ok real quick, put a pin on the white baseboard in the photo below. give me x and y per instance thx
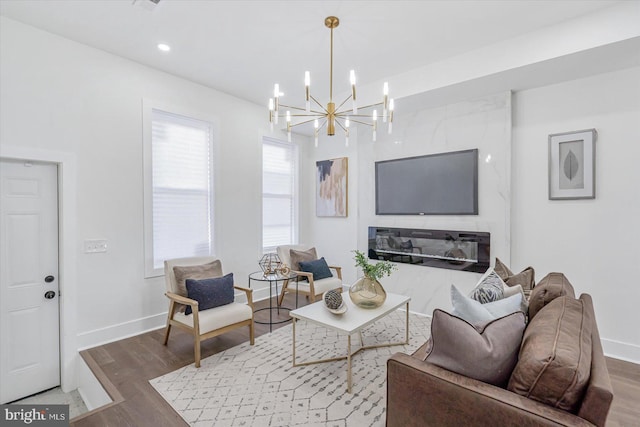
(621, 350)
(120, 331)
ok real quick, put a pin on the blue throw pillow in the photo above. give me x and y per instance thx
(318, 267)
(210, 293)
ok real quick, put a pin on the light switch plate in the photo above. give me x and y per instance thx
(95, 246)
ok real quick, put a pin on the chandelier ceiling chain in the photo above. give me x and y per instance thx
(330, 114)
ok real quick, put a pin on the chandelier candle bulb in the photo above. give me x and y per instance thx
(276, 95)
(307, 83)
(375, 123)
(316, 125)
(352, 79)
(385, 100)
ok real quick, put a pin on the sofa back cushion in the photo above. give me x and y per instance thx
(552, 286)
(554, 363)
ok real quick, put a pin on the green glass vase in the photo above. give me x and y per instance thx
(367, 293)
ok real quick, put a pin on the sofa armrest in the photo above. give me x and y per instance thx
(422, 394)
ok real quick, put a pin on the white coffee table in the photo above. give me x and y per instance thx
(354, 320)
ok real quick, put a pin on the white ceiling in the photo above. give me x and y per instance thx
(244, 47)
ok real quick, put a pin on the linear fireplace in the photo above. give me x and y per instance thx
(454, 250)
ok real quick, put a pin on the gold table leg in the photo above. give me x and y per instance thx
(349, 355)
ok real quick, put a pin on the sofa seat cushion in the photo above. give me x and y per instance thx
(552, 286)
(319, 286)
(487, 353)
(218, 317)
(555, 357)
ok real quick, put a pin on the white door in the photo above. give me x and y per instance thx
(29, 340)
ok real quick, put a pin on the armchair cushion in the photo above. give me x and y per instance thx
(297, 256)
(487, 353)
(210, 293)
(318, 267)
(203, 271)
(210, 320)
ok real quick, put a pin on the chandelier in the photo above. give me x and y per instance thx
(330, 116)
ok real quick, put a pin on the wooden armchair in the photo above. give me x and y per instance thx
(206, 323)
(311, 288)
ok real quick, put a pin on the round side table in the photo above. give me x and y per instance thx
(273, 279)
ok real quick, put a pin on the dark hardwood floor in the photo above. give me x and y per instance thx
(125, 368)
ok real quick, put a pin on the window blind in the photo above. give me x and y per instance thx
(182, 187)
(279, 194)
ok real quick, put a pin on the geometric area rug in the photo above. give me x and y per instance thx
(258, 386)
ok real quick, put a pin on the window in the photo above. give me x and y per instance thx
(178, 189)
(279, 194)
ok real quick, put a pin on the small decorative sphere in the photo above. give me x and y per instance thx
(333, 299)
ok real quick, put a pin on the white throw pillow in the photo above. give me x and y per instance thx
(474, 312)
(513, 290)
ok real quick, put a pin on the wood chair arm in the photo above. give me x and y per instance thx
(249, 293)
(309, 276)
(338, 270)
(182, 300)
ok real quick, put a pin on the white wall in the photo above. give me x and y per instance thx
(594, 242)
(63, 96)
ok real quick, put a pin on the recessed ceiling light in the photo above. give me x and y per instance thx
(164, 47)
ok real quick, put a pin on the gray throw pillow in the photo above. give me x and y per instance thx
(203, 271)
(297, 256)
(474, 312)
(487, 353)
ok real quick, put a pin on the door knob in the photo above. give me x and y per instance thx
(49, 279)
(49, 294)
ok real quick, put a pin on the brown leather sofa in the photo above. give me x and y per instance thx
(422, 394)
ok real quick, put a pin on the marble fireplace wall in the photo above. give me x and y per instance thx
(483, 123)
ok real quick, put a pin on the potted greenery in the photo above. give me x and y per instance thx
(367, 292)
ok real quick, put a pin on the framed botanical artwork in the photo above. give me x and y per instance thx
(572, 165)
(332, 187)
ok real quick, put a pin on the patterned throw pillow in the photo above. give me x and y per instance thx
(490, 288)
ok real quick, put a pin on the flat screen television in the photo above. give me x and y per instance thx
(435, 184)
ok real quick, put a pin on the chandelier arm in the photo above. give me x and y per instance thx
(301, 123)
(300, 109)
(362, 123)
(319, 105)
(343, 102)
(340, 124)
(371, 105)
(346, 114)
